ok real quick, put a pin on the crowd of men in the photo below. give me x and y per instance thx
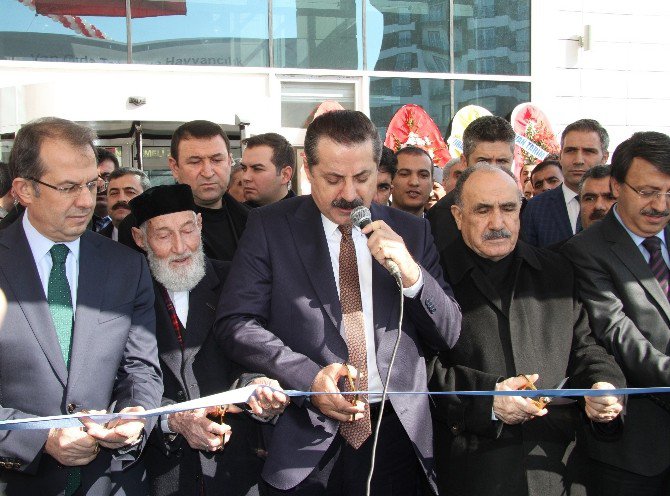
(124, 297)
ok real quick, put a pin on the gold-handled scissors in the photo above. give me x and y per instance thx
(352, 385)
(217, 416)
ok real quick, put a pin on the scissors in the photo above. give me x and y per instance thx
(543, 401)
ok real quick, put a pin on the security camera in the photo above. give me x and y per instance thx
(138, 101)
(239, 121)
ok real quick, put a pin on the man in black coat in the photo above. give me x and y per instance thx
(520, 316)
(186, 453)
(200, 157)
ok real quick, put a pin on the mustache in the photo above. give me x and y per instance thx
(652, 212)
(121, 204)
(497, 234)
(347, 205)
(598, 214)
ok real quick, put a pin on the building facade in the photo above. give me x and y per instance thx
(265, 65)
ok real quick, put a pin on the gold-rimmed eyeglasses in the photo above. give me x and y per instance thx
(649, 194)
(71, 190)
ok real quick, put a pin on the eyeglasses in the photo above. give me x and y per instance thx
(649, 194)
(103, 182)
(73, 190)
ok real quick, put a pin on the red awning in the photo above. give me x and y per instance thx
(111, 8)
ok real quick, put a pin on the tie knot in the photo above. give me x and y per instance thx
(59, 253)
(652, 244)
(345, 229)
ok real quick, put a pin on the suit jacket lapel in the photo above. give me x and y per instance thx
(311, 246)
(629, 254)
(18, 266)
(93, 268)
(561, 212)
(385, 296)
(169, 349)
(202, 303)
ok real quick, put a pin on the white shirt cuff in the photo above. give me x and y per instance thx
(414, 289)
(165, 428)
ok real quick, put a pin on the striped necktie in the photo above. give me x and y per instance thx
(656, 263)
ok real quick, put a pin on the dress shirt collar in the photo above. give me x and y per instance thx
(40, 244)
(637, 239)
(330, 228)
(568, 194)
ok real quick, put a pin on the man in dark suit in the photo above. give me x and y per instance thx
(107, 163)
(69, 344)
(621, 264)
(553, 216)
(186, 452)
(487, 139)
(268, 162)
(123, 184)
(281, 315)
(520, 316)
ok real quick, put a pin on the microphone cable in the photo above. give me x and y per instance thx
(361, 217)
(375, 438)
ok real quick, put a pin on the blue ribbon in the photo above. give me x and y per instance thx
(62, 421)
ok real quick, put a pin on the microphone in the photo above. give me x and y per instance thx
(361, 217)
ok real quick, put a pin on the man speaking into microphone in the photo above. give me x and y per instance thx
(309, 302)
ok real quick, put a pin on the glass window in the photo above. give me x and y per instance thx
(387, 95)
(404, 38)
(314, 34)
(174, 32)
(498, 97)
(212, 32)
(301, 99)
(71, 37)
(426, 20)
(497, 29)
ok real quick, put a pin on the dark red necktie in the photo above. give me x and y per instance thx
(354, 327)
(656, 263)
(174, 318)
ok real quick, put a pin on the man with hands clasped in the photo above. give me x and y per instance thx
(520, 316)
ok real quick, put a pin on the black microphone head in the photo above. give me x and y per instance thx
(360, 216)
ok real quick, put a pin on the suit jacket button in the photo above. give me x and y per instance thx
(455, 429)
(71, 408)
(181, 396)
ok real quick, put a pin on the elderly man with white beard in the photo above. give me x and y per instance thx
(191, 452)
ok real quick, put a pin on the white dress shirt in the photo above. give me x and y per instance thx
(364, 261)
(115, 234)
(40, 246)
(572, 203)
(639, 239)
(180, 302)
